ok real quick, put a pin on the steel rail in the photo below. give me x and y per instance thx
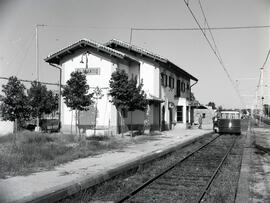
(131, 194)
(215, 173)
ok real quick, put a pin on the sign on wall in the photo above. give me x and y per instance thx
(89, 71)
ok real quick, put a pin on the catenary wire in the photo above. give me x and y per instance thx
(215, 52)
(207, 24)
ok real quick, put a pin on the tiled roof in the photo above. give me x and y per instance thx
(84, 43)
(149, 54)
(136, 49)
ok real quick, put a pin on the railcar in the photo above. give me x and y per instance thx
(228, 122)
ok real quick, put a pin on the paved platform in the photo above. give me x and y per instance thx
(254, 182)
(68, 178)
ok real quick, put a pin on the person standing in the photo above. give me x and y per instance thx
(200, 121)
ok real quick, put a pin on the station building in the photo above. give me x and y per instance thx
(167, 86)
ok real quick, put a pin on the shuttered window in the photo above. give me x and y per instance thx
(171, 82)
(164, 79)
(178, 88)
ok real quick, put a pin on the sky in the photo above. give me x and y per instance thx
(66, 21)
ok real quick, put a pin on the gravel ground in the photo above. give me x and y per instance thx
(185, 182)
(224, 187)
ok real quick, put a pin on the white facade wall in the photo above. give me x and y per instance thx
(150, 74)
(169, 96)
(107, 114)
(102, 81)
(148, 77)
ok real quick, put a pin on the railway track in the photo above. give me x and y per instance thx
(189, 179)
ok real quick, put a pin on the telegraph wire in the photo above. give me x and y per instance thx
(203, 28)
(84, 26)
(160, 29)
(196, 29)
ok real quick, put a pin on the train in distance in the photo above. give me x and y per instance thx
(227, 122)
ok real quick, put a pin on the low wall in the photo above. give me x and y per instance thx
(6, 127)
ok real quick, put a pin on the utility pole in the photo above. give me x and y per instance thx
(37, 55)
(261, 91)
(37, 129)
(130, 36)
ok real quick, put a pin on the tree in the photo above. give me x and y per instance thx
(119, 98)
(97, 95)
(212, 104)
(126, 95)
(137, 98)
(52, 102)
(220, 108)
(41, 100)
(15, 103)
(76, 95)
(266, 108)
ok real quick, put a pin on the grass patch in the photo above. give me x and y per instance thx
(5, 138)
(41, 151)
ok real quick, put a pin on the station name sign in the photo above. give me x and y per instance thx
(89, 71)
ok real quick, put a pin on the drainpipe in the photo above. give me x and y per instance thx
(189, 106)
(60, 85)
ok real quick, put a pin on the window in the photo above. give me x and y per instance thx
(188, 86)
(178, 90)
(179, 113)
(171, 82)
(183, 87)
(164, 79)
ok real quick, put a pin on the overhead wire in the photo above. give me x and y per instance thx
(204, 28)
(211, 34)
(214, 51)
(217, 50)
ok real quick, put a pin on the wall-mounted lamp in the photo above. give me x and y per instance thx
(86, 60)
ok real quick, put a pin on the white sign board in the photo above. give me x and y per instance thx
(89, 71)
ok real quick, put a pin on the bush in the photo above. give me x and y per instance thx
(35, 138)
(5, 138)
(98, 138)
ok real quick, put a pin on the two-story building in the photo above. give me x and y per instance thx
(163, 81)
(167, 86)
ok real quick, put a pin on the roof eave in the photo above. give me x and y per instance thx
(56, 57)
(166, 61)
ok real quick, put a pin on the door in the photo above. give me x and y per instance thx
(171, 118)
